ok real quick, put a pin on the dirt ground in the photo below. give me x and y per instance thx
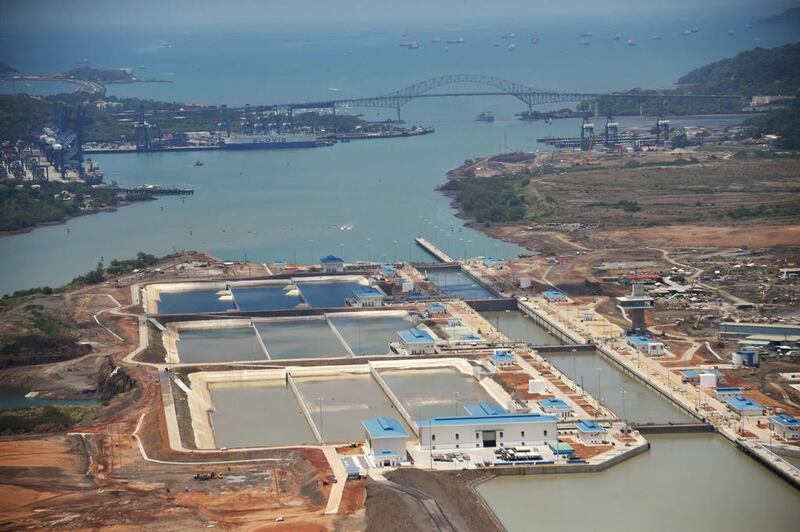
(452, 490)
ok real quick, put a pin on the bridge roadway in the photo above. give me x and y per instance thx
(396, 99)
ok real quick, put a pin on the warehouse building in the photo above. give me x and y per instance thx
(487, 430)
(590, 432)
(785, 426)
(417, 342)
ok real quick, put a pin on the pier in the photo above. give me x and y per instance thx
(155, 190)
(440, 255)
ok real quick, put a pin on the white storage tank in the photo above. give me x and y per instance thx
(708, 380)
(537, 386)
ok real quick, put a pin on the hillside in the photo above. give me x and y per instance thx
(791, 15)
(773, 71)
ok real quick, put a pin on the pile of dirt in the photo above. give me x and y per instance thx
(391, 511)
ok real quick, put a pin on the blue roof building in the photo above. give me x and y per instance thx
(693, 375)
(386, 439)
(417, 341)
(554, 295)
(785, 426)
(744, 406)
(590, 432)
(484, 408)
(505, 419)
(332, 263)
(553, 405)
(436, 308)
(366, 296)
(385, 427)
(493, 262)
(501, 358)
(724, 393)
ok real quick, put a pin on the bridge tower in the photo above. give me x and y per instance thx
(612, 128)
(662, 126)
(635, 306)
(587, 133)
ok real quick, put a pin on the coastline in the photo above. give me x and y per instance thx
(4, 234)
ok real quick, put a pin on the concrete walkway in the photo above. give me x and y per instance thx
(337, 488)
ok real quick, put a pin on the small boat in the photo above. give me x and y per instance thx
(534, 40)
(657, 37)
(731, 32)
(512, 47)
(631, 42)
(460, 40)
(411, 45)
(618, 37)
(686, 32)
(496, 45)
(586, 34)
(198, 163)
(509, 36)
(585, 43)
(346, 228)
(694, 29)
(486, 116)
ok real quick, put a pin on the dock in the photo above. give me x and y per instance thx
(155, 190)
(440, 255)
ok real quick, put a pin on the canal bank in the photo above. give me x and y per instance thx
(700, 475)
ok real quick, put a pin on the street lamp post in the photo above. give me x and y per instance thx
(624, 416)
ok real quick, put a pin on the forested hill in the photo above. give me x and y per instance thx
(791, 15)
(760, 71)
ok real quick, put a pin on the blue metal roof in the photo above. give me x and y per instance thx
(437, 307)
(367, 291)
(494, 419)
(640, 339)
(553, 402)
(484, 408)
(492, 261)
(589, 427)
(554, 294)
(384, 427)
(501, 356)
(331, 259)
(743, 403)
(689, 373)
(415, 335)
(785, 420)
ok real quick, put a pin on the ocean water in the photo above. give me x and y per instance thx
(291, 204)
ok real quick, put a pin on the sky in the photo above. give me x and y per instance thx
(30, 14)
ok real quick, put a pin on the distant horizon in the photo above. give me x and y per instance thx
(33, 16)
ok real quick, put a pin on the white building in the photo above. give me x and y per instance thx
(487, 430)
(590, 432)
(386, 441)
(726, 392)
(366, 296)
(555, 406)
(501, 358)
(417, 342)
(646, 345)
(785, 426)
(332, 263)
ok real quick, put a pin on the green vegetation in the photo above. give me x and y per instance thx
(51, 418)
(115, 268)
(493, 199)
(42, 339)
(102, 75)
(625, 205)
(782, 122)
(765, 211)
(21, 116)
(24, 205)
(762, 71)
(791, 15)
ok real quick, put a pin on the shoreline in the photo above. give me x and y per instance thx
(39, 225)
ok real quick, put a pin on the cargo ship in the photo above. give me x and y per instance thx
(267, 141)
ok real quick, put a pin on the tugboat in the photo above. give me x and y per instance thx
(198, 163)
(485, 116)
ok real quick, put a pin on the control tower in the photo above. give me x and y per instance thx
(635, 305)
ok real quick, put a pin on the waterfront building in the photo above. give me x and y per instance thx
(501, 358)
(386, 441)
(366, 296)
(646, 345)
(435, 309)
(693, 375)
(744, 406)
(487, 430)
(785, 426)
(332, 263)
(727, 392)
(590, 432)
(556, 296)
(417, 342)
(555, 406)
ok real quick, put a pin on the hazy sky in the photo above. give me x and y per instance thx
(28, 14)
